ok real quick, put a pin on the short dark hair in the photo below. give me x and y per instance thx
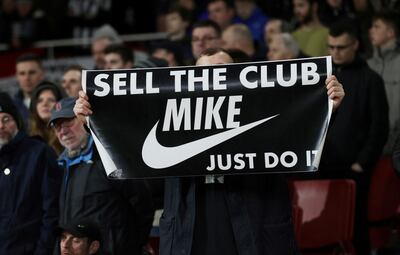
(228, 3)
(344, 26)
(30, 57)
(208, 23)
(213, 51)
(390, 18)
(182, 12)
(122, 50)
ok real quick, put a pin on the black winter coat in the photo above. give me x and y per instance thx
(360, 128)
(30, 181)
(258, 205)
(123, 208)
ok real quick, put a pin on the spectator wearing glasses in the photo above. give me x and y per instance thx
(356, 138)
(123, 208)
(205, 34)
(29, 187)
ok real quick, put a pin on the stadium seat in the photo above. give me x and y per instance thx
(327, 215)
(383, 203)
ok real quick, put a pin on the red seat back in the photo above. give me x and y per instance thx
(328, 211)
(383, 203)
(384, 195)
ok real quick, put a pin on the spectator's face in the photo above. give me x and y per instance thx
(272, 28)
(302, 11)
(244, 9)
(71, 82)
(8, 128)
(277, 50)
(220, 13)
(115, 61)
(45, 103)
(98, 47)
(342, 48)
(71, 245)
(166, 55)
(175, 24)
(70, 133)
(29, 75)
(380, 33)
(216, 59)
(204, 38)
(228, 40)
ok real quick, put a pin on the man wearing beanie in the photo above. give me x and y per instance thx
(29, 187)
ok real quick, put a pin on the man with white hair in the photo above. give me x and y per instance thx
(283, 46)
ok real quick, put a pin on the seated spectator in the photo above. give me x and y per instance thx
(205, 34)
(103, 37)
(311, 35)
(80, 237)
(273, 27)
(169, 51)
(177, 23)
(283, 46)
(252, 16)
(117, 56)
(71, 80)
(221, 12)
(239, 37)
(29, 73)
(44, 97)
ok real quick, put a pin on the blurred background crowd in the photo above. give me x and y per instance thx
(45, 45)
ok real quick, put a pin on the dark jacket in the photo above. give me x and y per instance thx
(29, 189)
(23, 110)
(259, 209)
(360, 129)
(123, 208)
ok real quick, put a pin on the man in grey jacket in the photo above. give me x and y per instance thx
(385, 61)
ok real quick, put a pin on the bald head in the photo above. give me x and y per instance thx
(238, 37)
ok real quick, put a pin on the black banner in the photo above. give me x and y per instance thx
(262, 117)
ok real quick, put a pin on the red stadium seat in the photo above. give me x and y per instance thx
(328, 215)
(383, 203)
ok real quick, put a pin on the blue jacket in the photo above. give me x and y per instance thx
(29, 188)
(259, 209)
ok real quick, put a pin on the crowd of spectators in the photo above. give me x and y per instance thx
(360, 35)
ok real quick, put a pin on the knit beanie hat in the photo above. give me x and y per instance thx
(7, 105)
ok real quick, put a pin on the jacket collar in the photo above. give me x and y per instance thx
(13, 144)
(86, 155)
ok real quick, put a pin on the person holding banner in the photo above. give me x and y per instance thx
(226, 214)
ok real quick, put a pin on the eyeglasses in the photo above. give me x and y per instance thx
(339, 47)
(64, 123)
(6, 119)
(204, 39)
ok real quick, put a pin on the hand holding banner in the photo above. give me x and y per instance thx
(262, 117)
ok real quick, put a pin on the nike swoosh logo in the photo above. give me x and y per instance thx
(158, 156)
